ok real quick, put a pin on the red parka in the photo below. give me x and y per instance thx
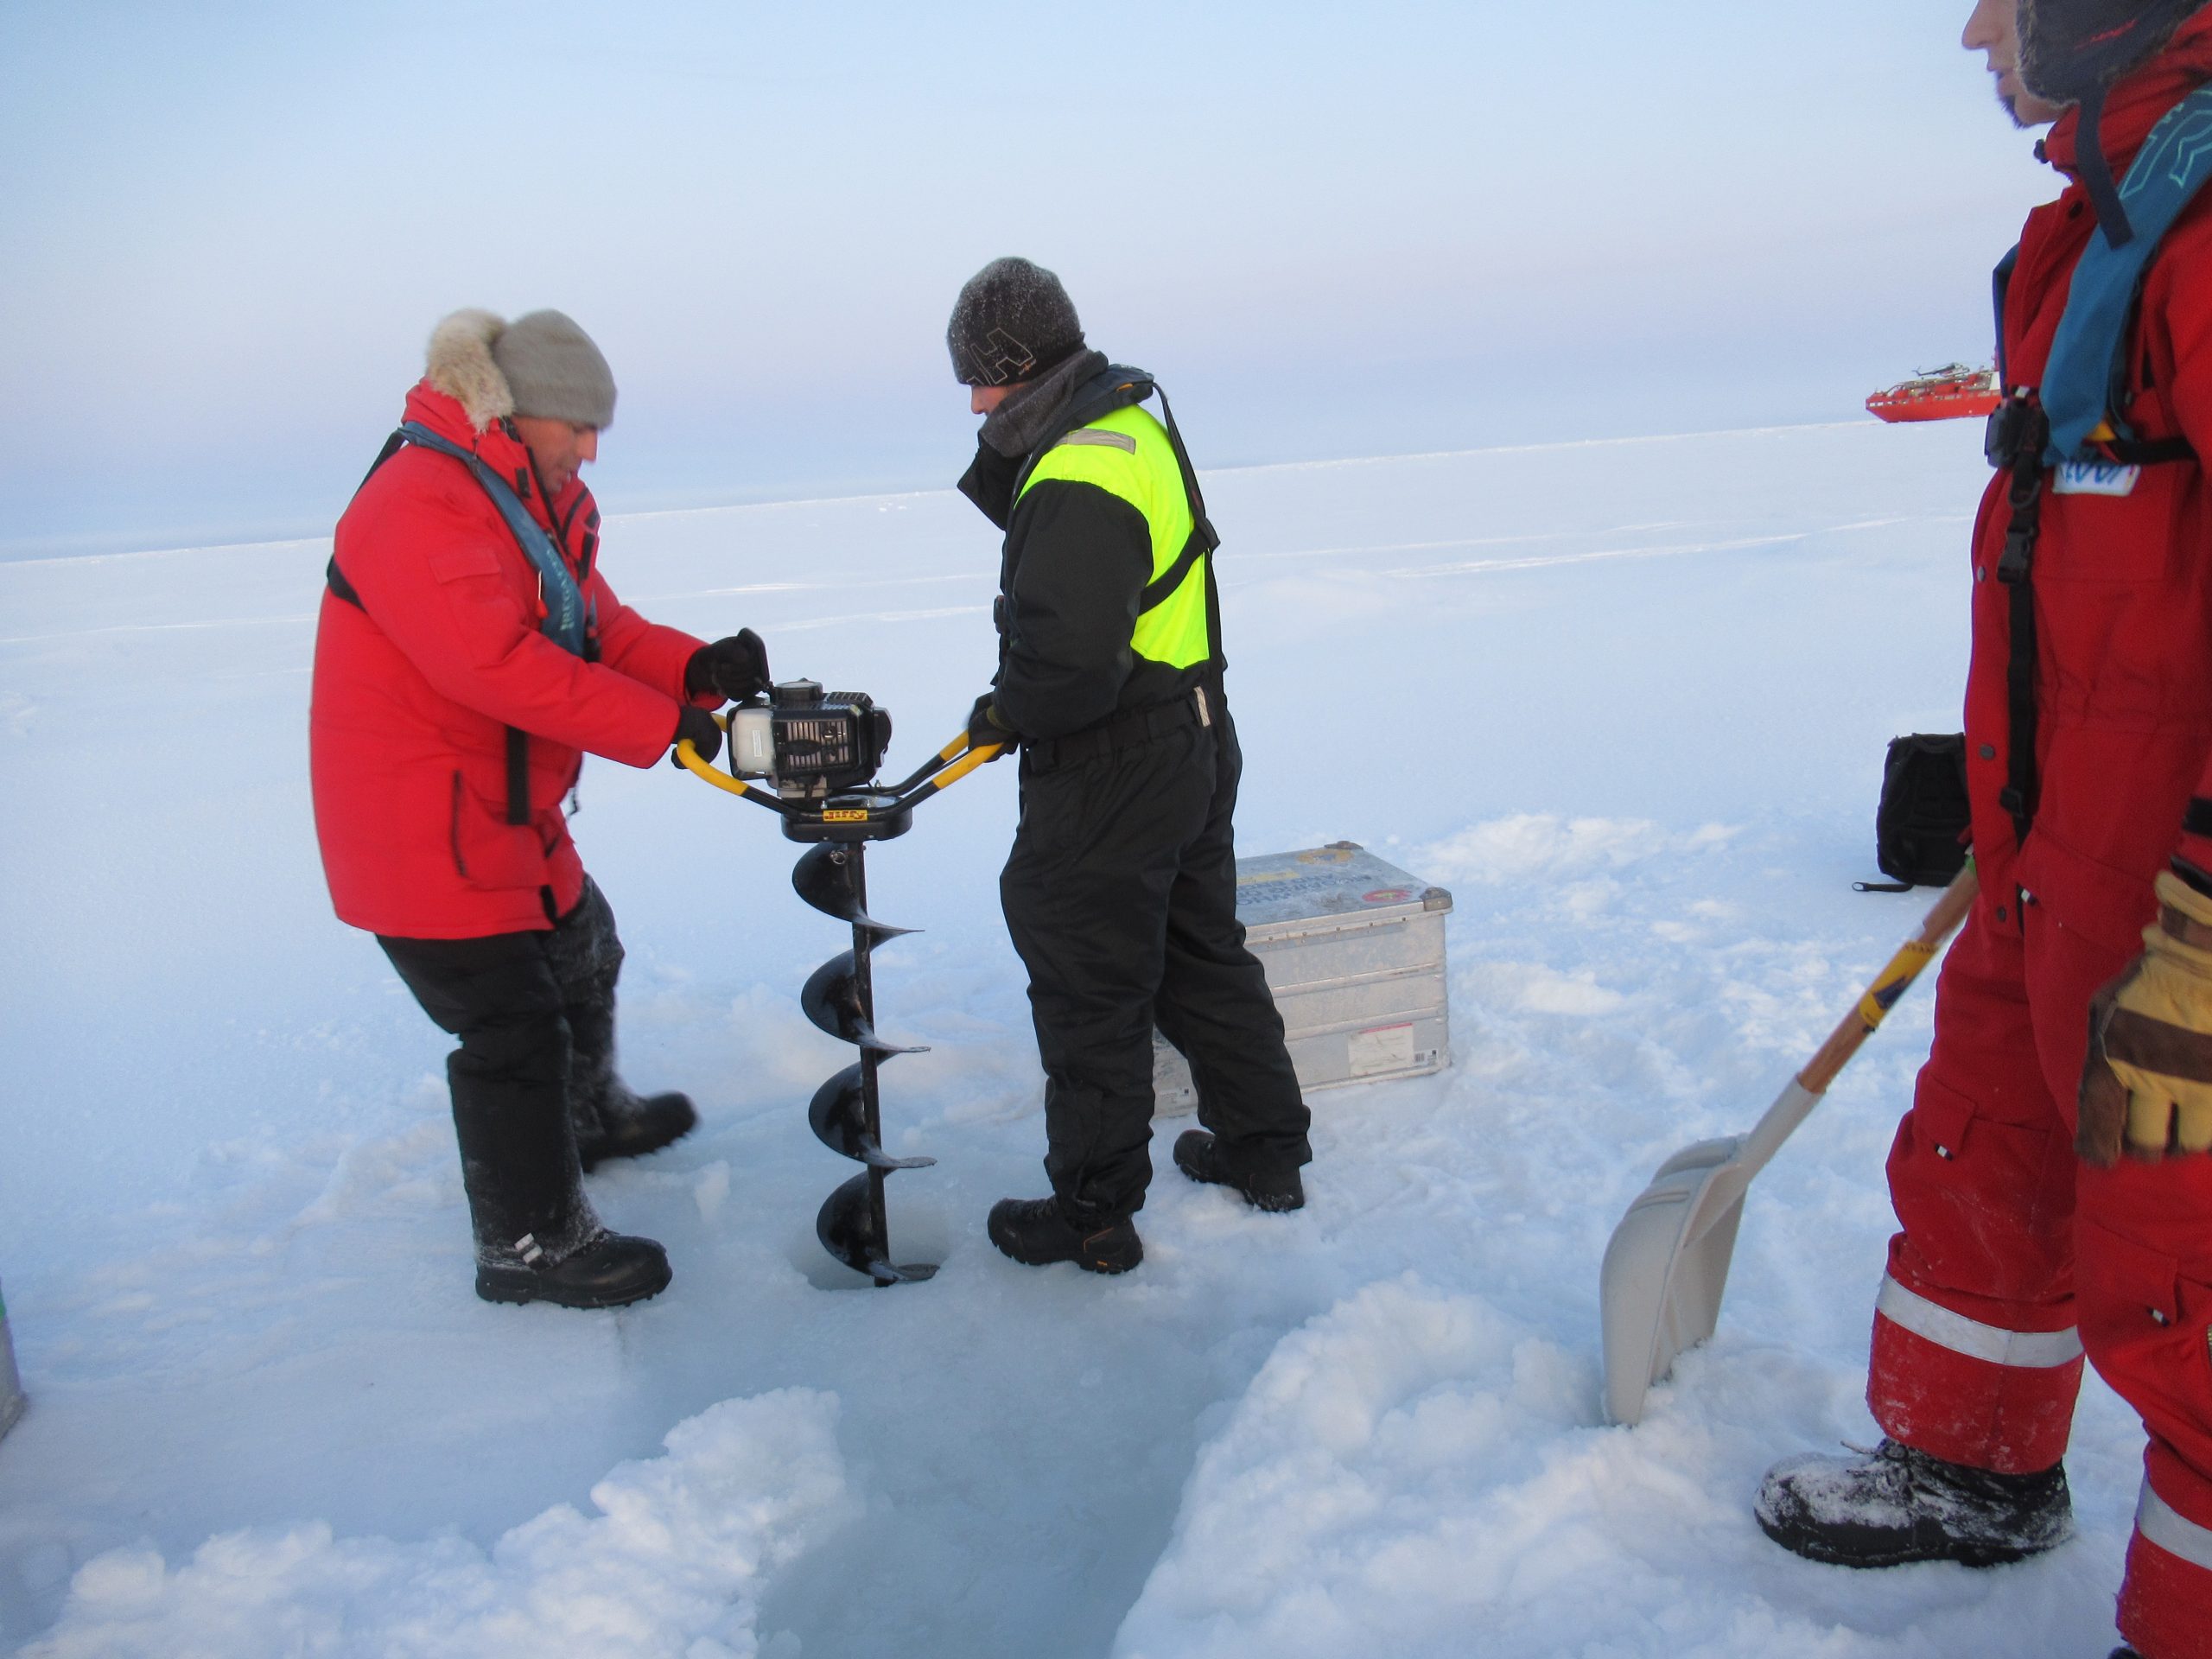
(415, 688)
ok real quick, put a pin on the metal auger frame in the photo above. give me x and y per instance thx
(839, 997)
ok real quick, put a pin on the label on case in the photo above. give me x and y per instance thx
(1385, 1048)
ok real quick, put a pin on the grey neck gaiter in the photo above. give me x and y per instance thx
(1016, 426)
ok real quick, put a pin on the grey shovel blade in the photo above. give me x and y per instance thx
(839, 1114)
(831, 998)
(846, 1226)
(828, 877)
(1666, 1265)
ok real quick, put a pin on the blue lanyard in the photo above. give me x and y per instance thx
(565, 599)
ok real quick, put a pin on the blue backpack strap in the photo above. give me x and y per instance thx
(2085, 380)
(2000, 282)
(563, 597)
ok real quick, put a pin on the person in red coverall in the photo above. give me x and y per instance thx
(469, 653)
(2053, 1178)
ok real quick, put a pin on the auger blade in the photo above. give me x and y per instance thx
(839, 1115)
(846, 1224)
(828, 876)
(831, 998)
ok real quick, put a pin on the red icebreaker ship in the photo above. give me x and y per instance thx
(1945, 394)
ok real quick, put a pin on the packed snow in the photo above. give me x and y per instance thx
(1628, 699)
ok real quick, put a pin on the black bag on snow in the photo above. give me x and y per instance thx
(1921, 825)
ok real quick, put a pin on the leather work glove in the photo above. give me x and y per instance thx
(985, 729)
(736, 667)
(2148, 1080)
(699, 726)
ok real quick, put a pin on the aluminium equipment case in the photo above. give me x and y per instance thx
(1354, 953)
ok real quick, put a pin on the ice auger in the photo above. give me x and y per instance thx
(839, 996)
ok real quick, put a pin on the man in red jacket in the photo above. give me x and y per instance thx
(468, 654)
(2074, 1015)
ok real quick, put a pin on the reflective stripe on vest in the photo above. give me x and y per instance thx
(1127, 455)
(2172, 1531)
(2035, 1350)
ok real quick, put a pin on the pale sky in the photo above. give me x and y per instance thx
(1330, 231)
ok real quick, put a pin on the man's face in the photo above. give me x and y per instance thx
(1995, 28)
(559, 448)
(985, 400)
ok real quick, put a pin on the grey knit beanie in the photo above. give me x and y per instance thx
(1012, 321)
(553, 370)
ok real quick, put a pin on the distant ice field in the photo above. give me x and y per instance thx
(1628, 699)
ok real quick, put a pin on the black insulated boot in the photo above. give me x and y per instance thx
(624, 1125)
(1037, 1232)
(606, 1270)
(1893, 1505)
(1198, 1155)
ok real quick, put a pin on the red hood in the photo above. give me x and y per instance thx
(2134, 104)
(444, 415)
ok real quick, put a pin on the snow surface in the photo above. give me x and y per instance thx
(1628, 699)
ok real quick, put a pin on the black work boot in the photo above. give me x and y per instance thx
(1198, 1155)
(606, 1270)
(1039, 1231)
(622, 1125)
(1894, 1504)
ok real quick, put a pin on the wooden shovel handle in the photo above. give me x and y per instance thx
(1891, 982)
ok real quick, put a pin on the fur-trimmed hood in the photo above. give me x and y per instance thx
(461, 366)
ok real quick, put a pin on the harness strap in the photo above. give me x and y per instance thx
(2027, 434)
(2149, 452)
(565, 621)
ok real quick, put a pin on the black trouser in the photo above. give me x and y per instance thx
(535, 1013)
(1121, 896)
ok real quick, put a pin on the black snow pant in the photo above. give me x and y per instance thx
(1121, 897)
(535, 1013)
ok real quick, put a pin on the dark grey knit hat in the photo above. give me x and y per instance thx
(2071, 48)
(2072, 52)
(1012, 321)
(554, 371)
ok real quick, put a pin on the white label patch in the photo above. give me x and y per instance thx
(1386, 1048)
(2097, 478)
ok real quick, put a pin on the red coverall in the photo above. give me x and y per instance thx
(2014, 1258)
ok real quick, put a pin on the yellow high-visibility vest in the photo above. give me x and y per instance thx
(1126, 453)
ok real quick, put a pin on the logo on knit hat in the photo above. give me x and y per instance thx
(1002, 358)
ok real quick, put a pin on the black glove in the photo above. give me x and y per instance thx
(985, 729)
(699, 726)
(736, 668)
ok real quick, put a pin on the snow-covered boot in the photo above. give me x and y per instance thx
(537, 1237)
(622, 1125)
(1039, 1232)
(1894, 1504)
(1200, 1156)
(606, 1270)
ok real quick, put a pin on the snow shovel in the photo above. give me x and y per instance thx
(1659, 1292)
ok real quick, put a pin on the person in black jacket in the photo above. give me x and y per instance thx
(1120, 891)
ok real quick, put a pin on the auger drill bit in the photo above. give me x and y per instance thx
(846, 1113)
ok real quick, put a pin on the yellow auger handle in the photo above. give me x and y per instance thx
(1892, 982)
(975, 758)
(688, 756)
